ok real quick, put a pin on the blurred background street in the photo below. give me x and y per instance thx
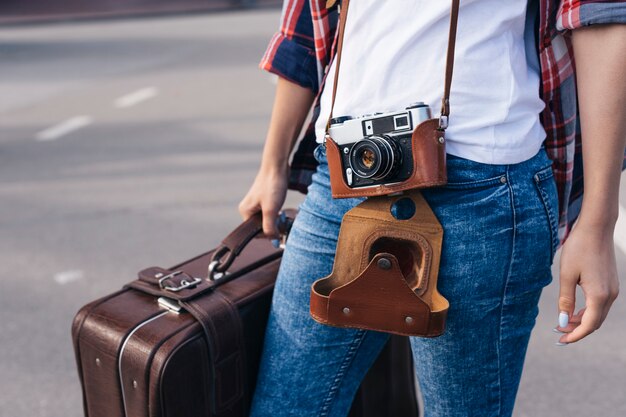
(129, 143)
(19, 11)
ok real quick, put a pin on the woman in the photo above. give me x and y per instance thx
(513, 130)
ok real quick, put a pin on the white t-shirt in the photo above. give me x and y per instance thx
(394, 55)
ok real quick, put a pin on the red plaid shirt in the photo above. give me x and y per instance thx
(305, 44)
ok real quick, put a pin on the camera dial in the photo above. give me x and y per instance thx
(340, 119)
(416, 105)
(375, 157)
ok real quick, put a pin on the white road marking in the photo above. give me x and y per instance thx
(136, 97)
(65, 277)
(64, 128)
(620, 230)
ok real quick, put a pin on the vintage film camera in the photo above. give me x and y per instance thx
(376, 149)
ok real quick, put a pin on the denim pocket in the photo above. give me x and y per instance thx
(546, 186)
(477, 183)
(464, 174)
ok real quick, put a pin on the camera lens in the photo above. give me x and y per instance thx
(368, 158)
(374, 157)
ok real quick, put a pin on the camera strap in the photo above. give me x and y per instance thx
(445, 101)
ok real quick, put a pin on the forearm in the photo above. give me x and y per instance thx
(291, 107)
(600, 53)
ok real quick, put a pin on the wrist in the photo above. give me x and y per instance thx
(599, 213)
(597, 226)
(274, 167)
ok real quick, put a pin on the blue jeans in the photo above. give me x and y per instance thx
(500, 235)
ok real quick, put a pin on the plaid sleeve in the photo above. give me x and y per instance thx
(291, 51)
(573, 14)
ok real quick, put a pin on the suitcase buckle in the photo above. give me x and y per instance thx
(184, 283)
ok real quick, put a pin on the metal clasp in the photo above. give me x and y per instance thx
(170, 305)
(183, 282)
(214, 275)
(443, 122)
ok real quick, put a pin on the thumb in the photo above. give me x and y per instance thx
(568, 278)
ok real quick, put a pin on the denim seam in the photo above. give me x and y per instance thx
(476, 183)
(350, 354)
(552, 221)
(504, 288)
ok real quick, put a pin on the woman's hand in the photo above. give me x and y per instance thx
(588, 260)
(588, 257)
(269, 189)
(266, 195)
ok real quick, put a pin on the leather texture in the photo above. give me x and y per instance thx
(234, 243)
(429, 165)
(343, 14)
(385, 272)
(136, 358)
(213, 378)
(454, 17)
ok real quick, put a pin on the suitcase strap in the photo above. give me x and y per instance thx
(221, 325)
(223, 331)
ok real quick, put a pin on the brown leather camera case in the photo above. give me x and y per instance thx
(385, 272)
(429, 164)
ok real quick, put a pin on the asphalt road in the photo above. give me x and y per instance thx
(125, 144)
(19, 11)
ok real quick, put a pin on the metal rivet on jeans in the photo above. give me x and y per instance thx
(503, 179)
(384, 263)
(408, 319)
(346, 310)
(98, 362)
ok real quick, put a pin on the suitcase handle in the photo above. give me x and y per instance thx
(238, 239)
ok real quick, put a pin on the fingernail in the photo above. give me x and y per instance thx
(561, 344)
(563, 319)
(555, 330)
(275, 243)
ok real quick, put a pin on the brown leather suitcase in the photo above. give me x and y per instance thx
(175, 343)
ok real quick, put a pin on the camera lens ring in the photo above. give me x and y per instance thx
(394, 157)
(357, 155)
(383, 153)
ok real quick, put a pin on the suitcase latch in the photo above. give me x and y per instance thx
(182, 284)
(170, 305)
